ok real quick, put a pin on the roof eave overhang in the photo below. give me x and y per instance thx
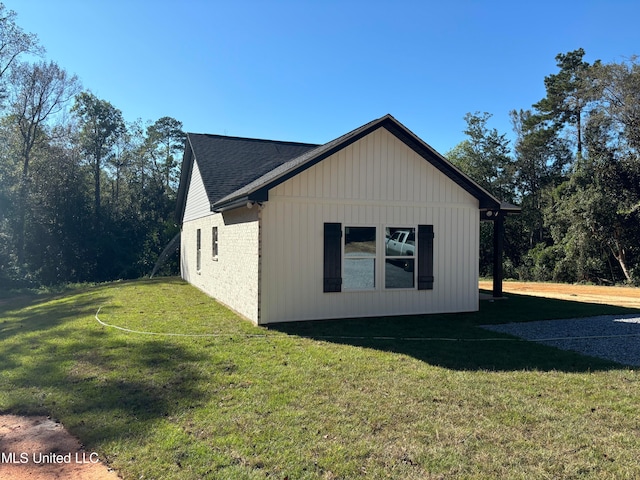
(488, 204)
(502, 210)
(242, 201)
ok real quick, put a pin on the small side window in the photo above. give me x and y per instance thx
(198, 249)
(214, 242)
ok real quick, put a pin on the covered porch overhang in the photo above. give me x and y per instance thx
(497, 216)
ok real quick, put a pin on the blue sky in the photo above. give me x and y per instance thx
(310, 71)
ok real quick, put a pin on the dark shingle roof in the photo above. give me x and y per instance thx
(229, 163)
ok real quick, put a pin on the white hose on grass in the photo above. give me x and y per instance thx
(349, 337)
(128, 330)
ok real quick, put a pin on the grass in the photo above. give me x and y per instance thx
(314, 400)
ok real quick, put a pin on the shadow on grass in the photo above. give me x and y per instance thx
(31, 314)
(160, 379)
(456, 341)
(121, 387)
(56, 360)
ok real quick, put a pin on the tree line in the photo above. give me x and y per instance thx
(84, 194)
(88, 196)
(574, 169)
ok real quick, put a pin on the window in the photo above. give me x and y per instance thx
(359, 258)
(198, 249)
(399, 263)
(214, 242)
(350, 264)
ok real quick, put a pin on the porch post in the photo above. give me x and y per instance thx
(498, 247)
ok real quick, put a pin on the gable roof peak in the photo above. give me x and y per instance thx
(236, 170)
(258, 189)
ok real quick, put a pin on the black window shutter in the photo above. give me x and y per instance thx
(425, 257)
(332, 257)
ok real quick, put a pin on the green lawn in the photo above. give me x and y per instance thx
(328, 400)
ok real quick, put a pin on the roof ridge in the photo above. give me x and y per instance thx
(250, 139)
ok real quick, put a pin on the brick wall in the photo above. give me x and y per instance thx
(232, 277)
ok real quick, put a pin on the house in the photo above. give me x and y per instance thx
(373, 223)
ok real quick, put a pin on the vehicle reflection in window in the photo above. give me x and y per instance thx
(400, 245)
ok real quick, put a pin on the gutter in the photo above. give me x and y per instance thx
(236, 203)
(248, 200)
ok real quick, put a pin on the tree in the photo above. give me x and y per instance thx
(619, 87)
(165, 141)
(101, 124)
(484, 156)
(39, 92)
(122, 162)
(9, 179)
(596, 216)
(85, 200)
(58, 247)
(541, 160)
(13, 43)
(568, 93)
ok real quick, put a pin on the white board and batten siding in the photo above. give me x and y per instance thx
(232, 276)
(377, 181)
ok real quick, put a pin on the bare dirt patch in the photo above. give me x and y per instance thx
(38, 448)
(620, 296)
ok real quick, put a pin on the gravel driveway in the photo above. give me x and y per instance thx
(612, 337)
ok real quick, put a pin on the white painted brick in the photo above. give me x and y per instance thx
(232, 278)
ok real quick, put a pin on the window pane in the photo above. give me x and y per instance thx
(198, 250)
(401, 243)
(398, 273)
(359, 270)
(359, 273)
(360, 241)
